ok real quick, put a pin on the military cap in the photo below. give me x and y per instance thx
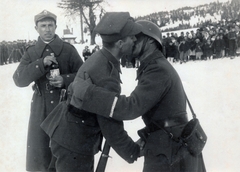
(117, 25)
(44, 14)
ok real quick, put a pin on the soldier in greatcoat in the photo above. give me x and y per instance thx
(76, 134)
(35, 67)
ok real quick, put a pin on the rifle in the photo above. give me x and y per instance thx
(103, 158)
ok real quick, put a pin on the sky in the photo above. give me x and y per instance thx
(16, 16)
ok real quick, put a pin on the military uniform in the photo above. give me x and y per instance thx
(3, 53)
(45, 97)
(79, 133)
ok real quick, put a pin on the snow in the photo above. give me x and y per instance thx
(212, 88)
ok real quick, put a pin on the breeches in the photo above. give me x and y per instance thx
(71, 161)
(160, 163)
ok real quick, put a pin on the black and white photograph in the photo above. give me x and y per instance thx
(119, 85)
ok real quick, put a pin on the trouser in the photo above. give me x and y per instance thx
(71, 161)
(183, 56)
(160, 162)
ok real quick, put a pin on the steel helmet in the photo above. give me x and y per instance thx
(151, 29)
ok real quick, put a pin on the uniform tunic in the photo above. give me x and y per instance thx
(81, 131)
(45, 98)
(158, 97)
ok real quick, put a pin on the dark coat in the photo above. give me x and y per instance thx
(207, 50)
(31, 69)
(184, 47)
(218, 45)
(159, 96)
(80, 131)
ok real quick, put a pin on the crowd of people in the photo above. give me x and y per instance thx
(12, 51)
(212, 39)
(208, 42)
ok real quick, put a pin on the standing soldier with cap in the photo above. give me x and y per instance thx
(75, 134)
(35, 66)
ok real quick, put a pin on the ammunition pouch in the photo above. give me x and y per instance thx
(194, 137)
(36, 89)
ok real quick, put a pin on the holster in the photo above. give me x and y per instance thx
(35, 87)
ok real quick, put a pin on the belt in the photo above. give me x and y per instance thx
(169, 122)
(86, 117)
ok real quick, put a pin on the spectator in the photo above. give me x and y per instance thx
(95, 49)
(86, 53)
(218, 46)
(198, 49)
(183, 49)
(208, 50)
(232, 37)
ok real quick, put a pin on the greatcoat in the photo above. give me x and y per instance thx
(45, 98)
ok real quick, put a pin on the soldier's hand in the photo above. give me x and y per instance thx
(56, 81)
(141, 144)
(48, 60)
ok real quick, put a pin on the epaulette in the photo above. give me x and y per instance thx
(68, 43)
(28, 46)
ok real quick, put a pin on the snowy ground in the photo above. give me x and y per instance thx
(212, 87)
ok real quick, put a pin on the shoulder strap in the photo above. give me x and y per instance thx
(169, 133)
(190, 106)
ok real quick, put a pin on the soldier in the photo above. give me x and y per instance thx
(10, 52)
(76, 135)
(3, 53)
(1, 56)
(15, 52)
(35, 67)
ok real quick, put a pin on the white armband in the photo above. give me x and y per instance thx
(113, 106)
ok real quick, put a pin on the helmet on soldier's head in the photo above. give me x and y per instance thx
(152, 30)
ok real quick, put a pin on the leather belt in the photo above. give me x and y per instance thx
(169, 122)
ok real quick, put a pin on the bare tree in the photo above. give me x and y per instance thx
(86, 9)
